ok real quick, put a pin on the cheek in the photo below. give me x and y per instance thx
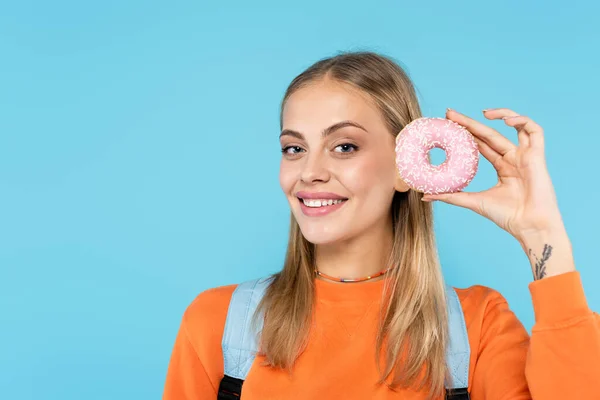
(373, 174)
(286, 177)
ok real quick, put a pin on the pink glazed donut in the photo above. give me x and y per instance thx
(415, 141)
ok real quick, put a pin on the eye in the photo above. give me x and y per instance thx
(292, 150)
(346, 148)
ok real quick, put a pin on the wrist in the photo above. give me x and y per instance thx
(549, 252)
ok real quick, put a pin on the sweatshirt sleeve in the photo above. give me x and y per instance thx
(560, 361)
(187, 378)
(563, 361)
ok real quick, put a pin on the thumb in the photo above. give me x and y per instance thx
(461, 199)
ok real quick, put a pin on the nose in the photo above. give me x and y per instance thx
(315, 168)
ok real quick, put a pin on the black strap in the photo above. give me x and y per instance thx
(457, 394)
(230, 388)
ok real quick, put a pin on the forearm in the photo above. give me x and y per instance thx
(550, 252)
(564, 350)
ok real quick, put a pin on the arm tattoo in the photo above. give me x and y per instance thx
(540, 264)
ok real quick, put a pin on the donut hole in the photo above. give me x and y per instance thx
(437, 156)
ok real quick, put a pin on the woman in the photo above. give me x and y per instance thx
(353, 218)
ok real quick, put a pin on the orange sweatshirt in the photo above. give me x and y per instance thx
(561, 360)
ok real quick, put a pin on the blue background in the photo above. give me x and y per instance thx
(139, 160)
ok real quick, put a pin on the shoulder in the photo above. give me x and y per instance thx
(204, 321)
(209, 307)
(483, 306)
(203, 325)
(206, 315)
(489, 318)
(478, 298)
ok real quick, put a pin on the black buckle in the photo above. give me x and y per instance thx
(457, 394)
(230, 388)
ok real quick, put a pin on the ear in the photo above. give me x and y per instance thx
(400, 185)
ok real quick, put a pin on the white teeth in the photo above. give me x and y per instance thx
(320, 203)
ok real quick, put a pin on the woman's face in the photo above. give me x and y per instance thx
(338, 163)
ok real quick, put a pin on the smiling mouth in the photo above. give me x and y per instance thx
(318, 203)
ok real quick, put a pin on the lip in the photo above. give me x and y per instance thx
(320, 195)
(320, 211)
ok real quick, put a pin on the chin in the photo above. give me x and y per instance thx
(319, 235)
(320, 239)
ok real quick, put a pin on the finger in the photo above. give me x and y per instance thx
(490, 154)
(496, 159)
(503, 113)
(468, 200)
(499, 113)
(496, 141)
(526, 125)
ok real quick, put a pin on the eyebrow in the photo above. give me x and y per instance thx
(327, 131)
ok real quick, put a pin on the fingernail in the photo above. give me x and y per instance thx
(487, 109)
(449, 109)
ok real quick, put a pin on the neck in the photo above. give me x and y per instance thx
(358, 257)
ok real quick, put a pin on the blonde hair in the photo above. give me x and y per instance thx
(413, 315)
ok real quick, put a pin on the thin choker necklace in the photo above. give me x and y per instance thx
(366, 278)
